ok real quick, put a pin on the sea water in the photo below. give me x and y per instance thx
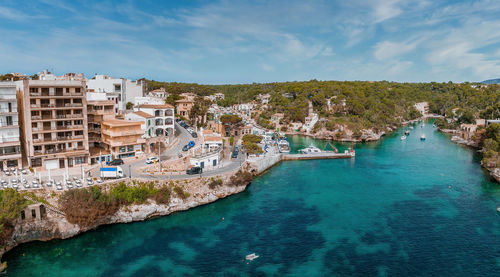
(399, 208)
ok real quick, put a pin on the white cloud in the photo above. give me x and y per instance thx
(386, 9)
(387, 49)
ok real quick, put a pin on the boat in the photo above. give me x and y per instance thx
(422, 125)
(311, 149)
(407, 133)
(423, 137)
(403, 137)
(251, 257)
(283, 146)
(498, 209)
(411, 127)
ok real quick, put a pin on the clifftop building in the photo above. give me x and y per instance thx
(10, 147)
(53, 121)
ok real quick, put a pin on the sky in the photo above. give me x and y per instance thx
(221, 42)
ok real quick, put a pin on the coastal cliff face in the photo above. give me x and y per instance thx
(56, 226)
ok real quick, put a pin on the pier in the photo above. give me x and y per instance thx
(317, 156)
(257, 165)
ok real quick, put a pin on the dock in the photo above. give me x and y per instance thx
(317, 156)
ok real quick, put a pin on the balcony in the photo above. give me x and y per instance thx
(55, 95)
(57, 151)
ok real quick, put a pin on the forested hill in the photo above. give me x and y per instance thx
(492, 81)
(369, 104)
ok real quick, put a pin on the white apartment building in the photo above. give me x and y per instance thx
(10, 149)
(148, 100)
(121, 90)
(163, 116)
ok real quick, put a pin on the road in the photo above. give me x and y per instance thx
(233, 165)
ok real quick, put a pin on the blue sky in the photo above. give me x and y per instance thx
(218, 42)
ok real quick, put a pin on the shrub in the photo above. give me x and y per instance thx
(162, 196)
(11, 205)
(86, 207)
(240, 178)
(215, 183)
(181, 193)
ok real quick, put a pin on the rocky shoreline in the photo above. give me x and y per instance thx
(56, 226)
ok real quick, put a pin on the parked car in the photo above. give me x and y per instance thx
(235, 152)
(185, 147)
(191, 144)
(194, 134)
(184, 125)
(116, 162)
(194, 170)
(152, 160)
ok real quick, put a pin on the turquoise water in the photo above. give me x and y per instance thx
(388, 212)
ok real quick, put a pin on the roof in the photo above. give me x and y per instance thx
(143, 114)
(208, 132)
(156, 106)
(213, 139)
(101, 102)
(184, 101)
(120, 123)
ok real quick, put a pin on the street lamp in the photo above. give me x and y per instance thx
(129, 172)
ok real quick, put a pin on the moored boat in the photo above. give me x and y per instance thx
(423, 137)
(283, 146)
(311, 149)
(403, 137)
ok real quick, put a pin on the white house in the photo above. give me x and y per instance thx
(158, 93)
(148, 100)
(147, 122)
(123, 90)
(206, 160)
(163, 117)
(422, 107)
(211, 140)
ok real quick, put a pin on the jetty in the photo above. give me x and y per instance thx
(318, 156)
(259, 164)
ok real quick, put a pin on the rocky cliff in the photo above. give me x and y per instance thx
(56, 226)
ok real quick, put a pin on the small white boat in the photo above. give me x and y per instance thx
(251, 257)
(411, 127)
(403, 137)
(407, 132)
(283, 146)
(498, 209)
(423, 137)
(310, 150)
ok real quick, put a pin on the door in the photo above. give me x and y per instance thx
(215, 163)
(202, 164)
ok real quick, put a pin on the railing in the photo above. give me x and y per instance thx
(36, 117)
(35, 93)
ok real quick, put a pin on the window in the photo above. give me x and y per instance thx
(9, 120)
(33, 213)
(33, 89)
(23, 215)
(77, 90)
(79, 160)
(118, 88)
(122, 149)
(130, 148)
